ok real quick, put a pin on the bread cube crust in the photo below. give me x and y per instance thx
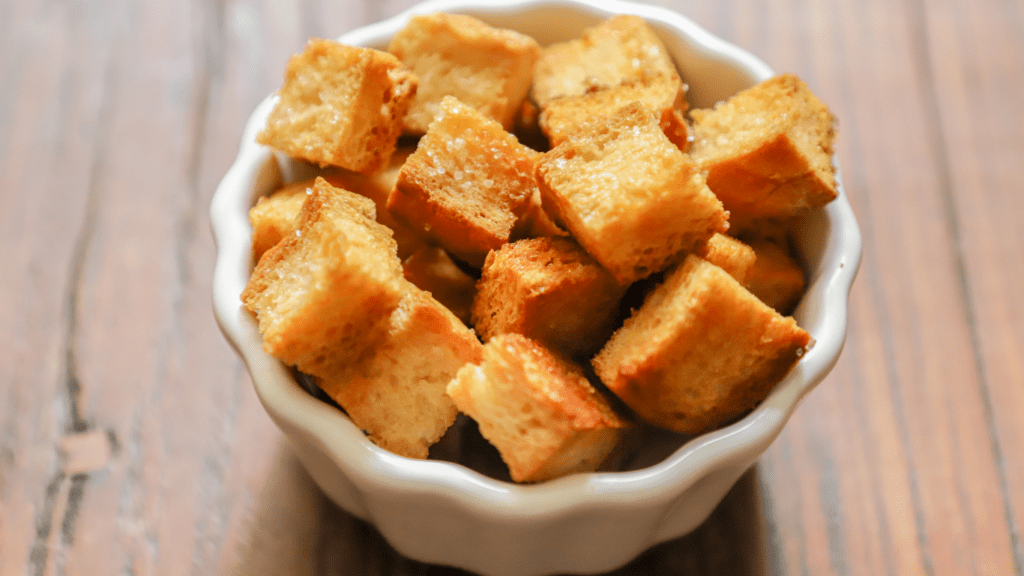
(321, 292)
(633, 219)
(549, 290)
(487, 68)
(700, 352)
(466, 183)
(537, 409)
(341, 106)
(779, 164)
(396, 391)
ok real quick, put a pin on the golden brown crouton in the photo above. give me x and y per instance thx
(730, 255)
(433, 270)
(767, 150)
(776, 277)
(466, 183)
(537, 409)
(628, 195)
(341, 106)
(274, 217)
(395, 392)
(663, 95)
(489, 69)
(700, 352)
(549, 290)
(321, 292)
(620, 50)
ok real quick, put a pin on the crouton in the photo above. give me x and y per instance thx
(395, 392)
(634, 217)
(489, 69)
(466, 184)
(768, 149)
(776, 277)
(620, 50)
(730, 255)
(340, 106)
(321, 292)
(433, 270)
(549, 290)
(537, 408)
(700, 352)
(274, 217)
(663, 95)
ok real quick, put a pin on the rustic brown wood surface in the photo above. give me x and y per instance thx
(131, 441)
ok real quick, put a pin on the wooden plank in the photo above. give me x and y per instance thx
(974, 57)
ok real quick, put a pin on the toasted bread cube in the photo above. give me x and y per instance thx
(776, 277)
(275, 216)
(489, 69)
(377, 187)
(663, 95)
(340, 106)
(628, 195)
(730, 255)
(396, 392)
(549, 290)
(322, 292)
(620, 50)
(768, 149)
(700, 352)
(537, 408)
(433, 270)
(466, 183)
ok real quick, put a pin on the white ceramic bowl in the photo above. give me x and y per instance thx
(445, 513)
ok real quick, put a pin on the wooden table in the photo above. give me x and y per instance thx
(131, 441)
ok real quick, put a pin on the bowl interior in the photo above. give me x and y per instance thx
(828, 241)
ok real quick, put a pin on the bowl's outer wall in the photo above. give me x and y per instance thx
(438, 513)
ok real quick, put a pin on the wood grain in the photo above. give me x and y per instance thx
(131, 441)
